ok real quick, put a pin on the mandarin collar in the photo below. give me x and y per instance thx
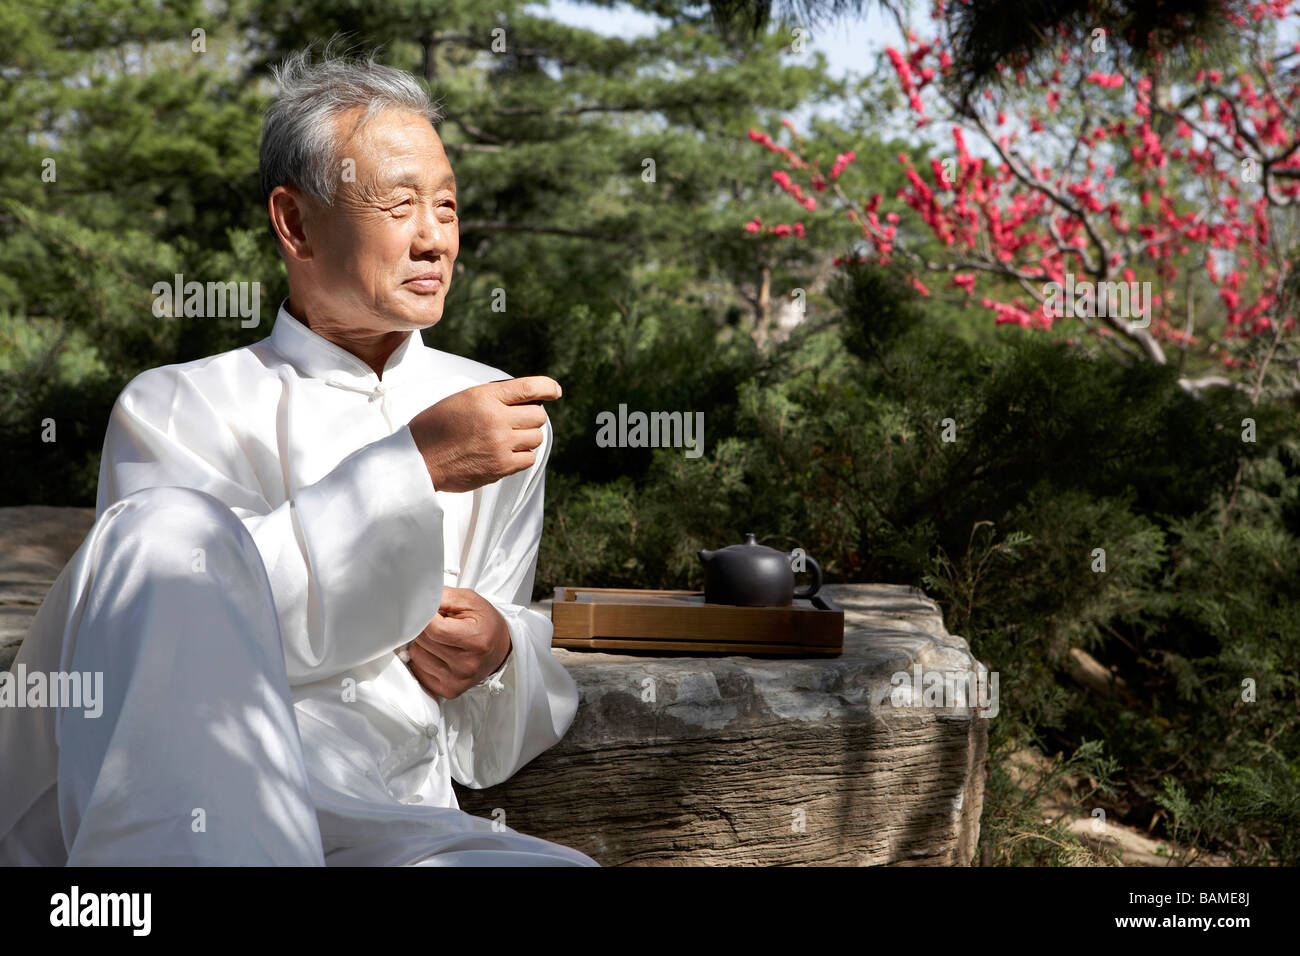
(317, 357)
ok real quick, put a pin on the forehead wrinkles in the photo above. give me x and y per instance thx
(388, 163)
(394, 156)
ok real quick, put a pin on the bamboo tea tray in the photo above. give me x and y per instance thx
(616, 619)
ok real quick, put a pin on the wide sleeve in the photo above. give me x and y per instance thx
(498, 726)
(354, 560)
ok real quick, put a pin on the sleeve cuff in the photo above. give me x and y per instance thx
(494, 683)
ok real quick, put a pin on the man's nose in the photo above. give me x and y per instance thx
(433, 234)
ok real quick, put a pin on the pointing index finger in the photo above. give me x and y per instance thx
(529, 389)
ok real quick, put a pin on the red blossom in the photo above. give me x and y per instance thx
(1108, 210)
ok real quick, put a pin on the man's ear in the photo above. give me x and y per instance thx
(288, 209)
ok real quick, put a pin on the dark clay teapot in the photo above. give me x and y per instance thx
(753, 575)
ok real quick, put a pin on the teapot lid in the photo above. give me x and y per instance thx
(750, 542)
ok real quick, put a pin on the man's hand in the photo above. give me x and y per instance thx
(464, 643)
(484, 433)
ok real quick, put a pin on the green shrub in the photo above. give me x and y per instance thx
(836, 444)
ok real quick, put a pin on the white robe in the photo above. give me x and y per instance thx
(309, 449)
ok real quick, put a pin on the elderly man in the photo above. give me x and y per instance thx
(307, 585)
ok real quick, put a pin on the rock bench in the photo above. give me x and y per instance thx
(689, 760)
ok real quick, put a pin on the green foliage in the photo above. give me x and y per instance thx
(834, 443)
(1254, 808)
(1014, 830)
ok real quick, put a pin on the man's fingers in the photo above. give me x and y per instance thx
(526, 416)
(526, 439)
(521, 460)
(530, 388)
(450, 631)
(453, 650)
(424, 659)
(456, 627)
(457, 599)
(432, 670)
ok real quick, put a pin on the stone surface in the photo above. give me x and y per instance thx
(35, 543)
(691, 759)
(741, 760)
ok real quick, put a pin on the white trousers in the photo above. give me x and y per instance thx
(195, 756)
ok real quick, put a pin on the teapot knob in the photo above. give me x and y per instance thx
(750, 539)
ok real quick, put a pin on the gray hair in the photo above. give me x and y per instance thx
(299, 143)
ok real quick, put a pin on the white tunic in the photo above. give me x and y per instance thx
(309, 448)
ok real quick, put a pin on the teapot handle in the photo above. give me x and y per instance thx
(816, 585)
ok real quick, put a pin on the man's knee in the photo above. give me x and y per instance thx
(179, 531)
(184, 544)
(165, 515)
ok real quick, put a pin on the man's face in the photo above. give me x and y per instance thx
(382, 255)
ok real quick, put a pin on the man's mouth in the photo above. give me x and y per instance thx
(426, 282)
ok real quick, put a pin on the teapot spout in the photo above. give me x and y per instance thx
(705, 556)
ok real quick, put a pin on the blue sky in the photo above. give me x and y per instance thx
(850, 43)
